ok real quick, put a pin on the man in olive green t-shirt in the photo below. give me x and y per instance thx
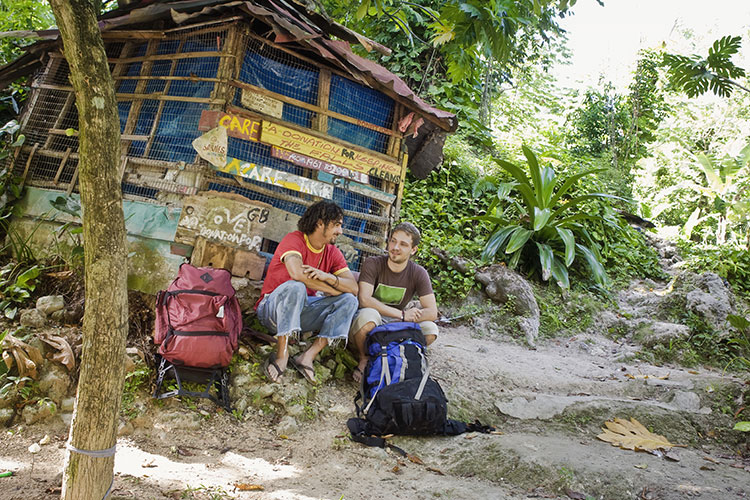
(387, 285)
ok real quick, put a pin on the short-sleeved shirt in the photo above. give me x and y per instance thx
(328, 259)
(395, 289)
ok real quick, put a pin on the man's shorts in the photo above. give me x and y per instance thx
(370, 315)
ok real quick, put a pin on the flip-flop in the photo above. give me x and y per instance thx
(271, 361)
(357, 375)
(304, 370)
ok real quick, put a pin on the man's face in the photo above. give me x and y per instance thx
(399, 247)
(332, 230)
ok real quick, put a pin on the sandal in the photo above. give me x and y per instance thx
(271, 361)
(305, 370)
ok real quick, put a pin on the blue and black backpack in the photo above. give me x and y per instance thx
(397, 394)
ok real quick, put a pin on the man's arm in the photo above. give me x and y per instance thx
(344, 281)
(367, 300)
(320, 281)
(429, 310)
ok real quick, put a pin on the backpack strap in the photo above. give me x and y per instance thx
(358, 433)
(384, 373)
(425, 376)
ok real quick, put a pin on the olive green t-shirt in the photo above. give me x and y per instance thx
(395, 289)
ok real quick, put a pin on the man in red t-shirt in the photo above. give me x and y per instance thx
(387, 285)
(308, 287)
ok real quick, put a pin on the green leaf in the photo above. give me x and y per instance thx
(597, 270)
(742, 426)
(548, 183)
(28, 275)
(518, 239)
(560, 273)
(70, 132)
(496, 241)
(540, 218)
(545, 259)
(570, 249)
(739, 322)
(692, 221)
(513, 263)
(19, 141)
(534, 171)
(569, 183)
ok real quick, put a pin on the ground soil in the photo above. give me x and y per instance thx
(548, 405)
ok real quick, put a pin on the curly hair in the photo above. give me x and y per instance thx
(325, 211)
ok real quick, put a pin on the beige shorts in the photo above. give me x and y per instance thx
(369, 315)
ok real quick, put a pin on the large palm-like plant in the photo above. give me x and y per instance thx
(551, 229)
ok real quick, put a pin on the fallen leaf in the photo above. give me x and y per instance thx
(61, 274)
(630, 376)
(497, 433)
(148, 464)
(706, 467)
(711, 460)
(665, 377)
(693, 372)
(414, 459)
(641, 466)
(632, 435)
(26, 357)
(248, 487)
(672, 455)
(283, 436)
(64, 355)
(436, 471)
(396, 469)
(184, 452)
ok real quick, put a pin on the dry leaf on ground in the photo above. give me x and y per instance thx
(632, 435)
(64, 354)
(26, 357)
(248, 487)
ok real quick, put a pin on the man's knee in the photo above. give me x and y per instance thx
(364, 317)
(430, 331)
(292, 289)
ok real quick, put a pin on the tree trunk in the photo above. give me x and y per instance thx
(95, 418)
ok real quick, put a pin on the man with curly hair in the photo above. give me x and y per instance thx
(308, 287)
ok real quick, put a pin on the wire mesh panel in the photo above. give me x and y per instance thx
(165, 83)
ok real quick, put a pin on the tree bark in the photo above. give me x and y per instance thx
(95, 417)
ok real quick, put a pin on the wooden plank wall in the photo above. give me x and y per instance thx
(49, 157)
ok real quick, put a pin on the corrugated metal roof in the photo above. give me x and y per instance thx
(291, 22)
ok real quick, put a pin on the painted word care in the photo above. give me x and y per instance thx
(236, 126)
(307, 162)
(287, 180)
(308, 145)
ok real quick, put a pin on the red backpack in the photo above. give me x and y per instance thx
(198, 318)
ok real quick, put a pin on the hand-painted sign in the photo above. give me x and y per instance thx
(212, 146)
(354, 187)
(306, 161)
(264, 104)
(308, 145)
(230, 220)
(268, 175)
(237, 126)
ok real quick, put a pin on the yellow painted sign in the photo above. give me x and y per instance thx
(287, 138)
(268, 175)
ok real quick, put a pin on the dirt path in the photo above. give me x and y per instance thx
(550, 404)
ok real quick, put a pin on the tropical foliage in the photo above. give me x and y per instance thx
(695, 75)
(548, 229)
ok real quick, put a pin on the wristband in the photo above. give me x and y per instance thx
(337, 282)
(403, 315)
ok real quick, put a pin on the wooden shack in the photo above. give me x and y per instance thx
(235, 116)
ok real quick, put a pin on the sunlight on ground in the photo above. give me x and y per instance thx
(232, 468)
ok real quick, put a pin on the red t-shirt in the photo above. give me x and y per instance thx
(329, 259)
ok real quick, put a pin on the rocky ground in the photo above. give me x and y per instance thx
(548, 404)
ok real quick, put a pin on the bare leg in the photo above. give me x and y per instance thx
(430, 339)
(304, 361)
(358, 341)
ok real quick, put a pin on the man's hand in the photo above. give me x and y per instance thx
(412, 314)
